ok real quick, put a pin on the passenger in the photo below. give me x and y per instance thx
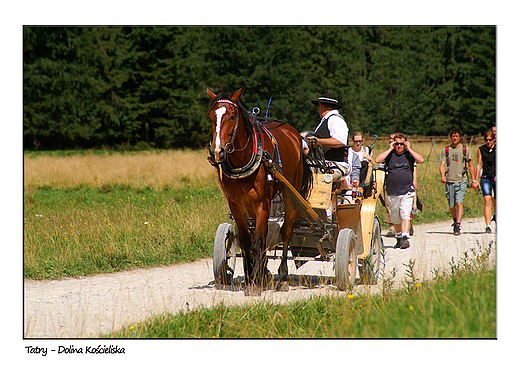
(487, 161)
(350, 181)
(399, 160)
(364, 154)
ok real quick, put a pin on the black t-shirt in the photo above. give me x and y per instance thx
(399, 179)
(488, 161)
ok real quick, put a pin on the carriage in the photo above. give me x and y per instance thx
(314, 225)
(350, 237)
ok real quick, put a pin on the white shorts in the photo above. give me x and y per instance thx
(400, 207)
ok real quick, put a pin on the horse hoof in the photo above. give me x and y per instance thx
(253, 290)
(282, 286)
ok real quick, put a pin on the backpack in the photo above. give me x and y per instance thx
(464, 150)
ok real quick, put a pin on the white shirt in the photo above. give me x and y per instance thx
(361, 152)
(337, 126)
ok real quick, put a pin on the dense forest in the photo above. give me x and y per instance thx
(117, 87)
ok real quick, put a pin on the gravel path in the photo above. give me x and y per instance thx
(88, 307)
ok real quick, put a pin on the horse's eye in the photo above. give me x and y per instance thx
(232, 117)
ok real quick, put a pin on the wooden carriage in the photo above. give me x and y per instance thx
(349, 234)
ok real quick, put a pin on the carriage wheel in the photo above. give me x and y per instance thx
(369, 271)
(345, 259)
(224, 254)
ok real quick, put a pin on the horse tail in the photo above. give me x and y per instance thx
(307, 179)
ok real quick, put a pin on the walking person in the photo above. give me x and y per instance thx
(455, 163)
(399, 160)
(487, 162)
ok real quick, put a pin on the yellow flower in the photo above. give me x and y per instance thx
(350, 296)
(412, 308)
(131, 327)
(418, 285)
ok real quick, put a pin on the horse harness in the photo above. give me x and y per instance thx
(260, 154)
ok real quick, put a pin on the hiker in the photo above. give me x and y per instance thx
(399, 162)
(455, 162)
(487, 161)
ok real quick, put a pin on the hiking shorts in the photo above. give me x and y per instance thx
(400, 207)
(488, 186)
(456, 192)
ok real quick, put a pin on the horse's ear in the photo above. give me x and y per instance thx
(236, 96)
(211, 94)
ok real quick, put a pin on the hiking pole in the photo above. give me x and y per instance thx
(438, 161)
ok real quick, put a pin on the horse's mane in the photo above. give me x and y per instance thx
(241, 108)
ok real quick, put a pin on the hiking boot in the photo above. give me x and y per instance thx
(456, 229)
(488, 229)
(405, 243)
(399, 242)
(391, 232)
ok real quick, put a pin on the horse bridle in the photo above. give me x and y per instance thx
(230, 146)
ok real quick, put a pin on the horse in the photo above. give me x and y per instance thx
(238, 150)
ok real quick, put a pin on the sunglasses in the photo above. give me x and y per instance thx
(398, 144)
(358, 141)
(487, 140)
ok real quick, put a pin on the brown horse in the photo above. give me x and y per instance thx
(238, 150)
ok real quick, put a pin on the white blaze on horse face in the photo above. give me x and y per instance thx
(219, 113)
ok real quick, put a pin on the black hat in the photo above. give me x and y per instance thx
(327, 98)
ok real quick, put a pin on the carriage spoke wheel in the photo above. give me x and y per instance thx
(345, 259)
(370, 269)
(224, 254)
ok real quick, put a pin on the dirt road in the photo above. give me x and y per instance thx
(88, 307)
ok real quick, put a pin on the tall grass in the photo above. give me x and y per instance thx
(458, 307)
(87, 214)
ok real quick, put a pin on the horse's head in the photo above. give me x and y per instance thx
(224, 114)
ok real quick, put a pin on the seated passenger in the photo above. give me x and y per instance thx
(350, 181)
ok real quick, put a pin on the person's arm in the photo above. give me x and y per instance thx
(418, 158)
(479, 166)
(329, 142)
(471, 168)
(368, 157)
(442, 170)
(383, 155)
(356, 169)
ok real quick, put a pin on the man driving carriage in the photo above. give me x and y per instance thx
(332, 134)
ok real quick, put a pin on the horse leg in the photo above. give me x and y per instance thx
(287, 230)
(260, 271)
(244, 238)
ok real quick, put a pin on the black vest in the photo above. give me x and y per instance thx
(331, 154)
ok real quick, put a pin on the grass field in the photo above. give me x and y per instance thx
(89, 212)
(462, 306)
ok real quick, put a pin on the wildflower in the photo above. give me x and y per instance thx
(131, 327)
(418, 285)
(144, 197)
(146, 223)
(411, 308)
(350, 296)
